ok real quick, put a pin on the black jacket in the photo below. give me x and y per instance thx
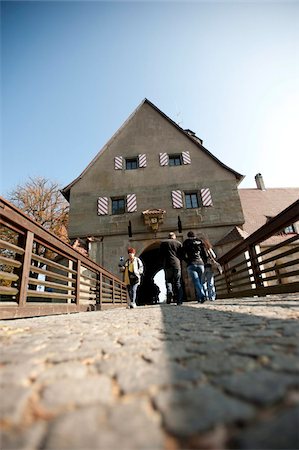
(194, 251)
(171, 253)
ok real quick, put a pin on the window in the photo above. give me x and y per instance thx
(289, 230)
(174, 160)
(118, 206)
(191, 200)
(131, 163)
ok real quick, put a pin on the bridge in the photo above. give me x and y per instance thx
(217, 375)
(220, 375)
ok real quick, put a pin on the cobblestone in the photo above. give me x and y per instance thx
(215, 376)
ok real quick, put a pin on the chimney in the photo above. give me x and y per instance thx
(190, 132)
(193, 135)
(260, 182)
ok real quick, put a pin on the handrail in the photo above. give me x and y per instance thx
(268, 271)
(70, 281)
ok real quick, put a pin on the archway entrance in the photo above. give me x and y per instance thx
(148, 293)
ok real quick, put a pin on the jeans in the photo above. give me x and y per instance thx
(132, 291)
(209, 285)
(173, 284)
(196, 272)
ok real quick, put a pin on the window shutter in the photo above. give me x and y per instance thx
(142, 160)
(118, 162)
(163, 159)
(177, 199)
(103, 206)
(186, 158)
(206, 197)
(131, 203)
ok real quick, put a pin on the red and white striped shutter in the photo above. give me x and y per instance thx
(186, 158)
(118, 162)
(206, 197)
(131, 203)
(103, 206)
(177, 199)
(142, 160)
(163, 159)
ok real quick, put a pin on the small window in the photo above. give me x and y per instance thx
(191, 200)
(175, 160)
(131, 163)
(118, 206)
(289, 230)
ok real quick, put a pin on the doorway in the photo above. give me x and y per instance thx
(153, 276)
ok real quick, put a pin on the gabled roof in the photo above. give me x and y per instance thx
(66, 190)
(260, 205)
(236, 234)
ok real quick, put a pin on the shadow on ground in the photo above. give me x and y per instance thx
(233, 377)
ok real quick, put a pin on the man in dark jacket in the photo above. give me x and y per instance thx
(171, 255)
(195, 256)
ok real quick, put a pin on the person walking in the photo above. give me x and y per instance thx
(195, 257)
(208, 278)
(133, 269)
(171, 255)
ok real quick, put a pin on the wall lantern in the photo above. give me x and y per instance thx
(153, 218)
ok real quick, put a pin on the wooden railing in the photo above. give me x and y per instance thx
(257, 267)
(42, 275)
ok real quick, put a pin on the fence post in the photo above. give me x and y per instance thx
(70, 292)
(255, 266)
(25, 270)
(101, 289)
(227, 277)
(78, 282)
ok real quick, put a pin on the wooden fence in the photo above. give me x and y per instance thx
(42, 275)
(259, 265)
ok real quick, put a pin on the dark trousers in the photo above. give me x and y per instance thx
(173, 284)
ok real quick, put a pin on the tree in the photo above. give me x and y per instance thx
(42, 200)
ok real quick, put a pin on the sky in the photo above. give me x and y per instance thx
(73, 71)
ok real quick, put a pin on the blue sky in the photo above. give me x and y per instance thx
(72, 72)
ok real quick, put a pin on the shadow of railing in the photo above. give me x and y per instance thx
(229, 373)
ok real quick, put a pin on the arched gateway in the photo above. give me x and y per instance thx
(152, 264)
(152, 177)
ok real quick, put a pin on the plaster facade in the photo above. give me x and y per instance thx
(150, 132)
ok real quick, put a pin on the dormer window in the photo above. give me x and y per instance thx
(131, 163)
(289, 229)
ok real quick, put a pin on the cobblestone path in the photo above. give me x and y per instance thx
(216, 376)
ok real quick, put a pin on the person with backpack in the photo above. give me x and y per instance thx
(133, 269)
(195, 256)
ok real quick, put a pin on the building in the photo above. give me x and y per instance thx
(151, 177)
(259, 205)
